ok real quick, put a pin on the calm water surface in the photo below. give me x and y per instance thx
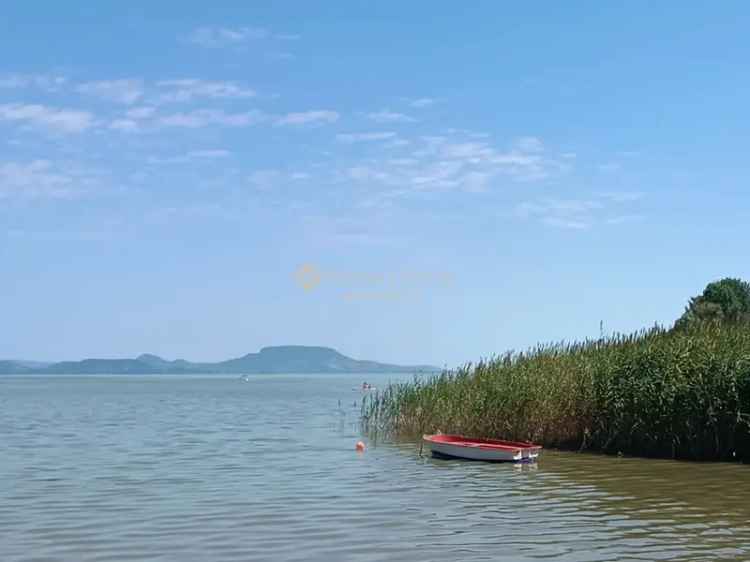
(182, 469)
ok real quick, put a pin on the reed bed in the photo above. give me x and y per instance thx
(664, 393)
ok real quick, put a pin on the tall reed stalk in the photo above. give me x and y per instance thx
(680, 394)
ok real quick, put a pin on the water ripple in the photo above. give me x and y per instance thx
(182, 468)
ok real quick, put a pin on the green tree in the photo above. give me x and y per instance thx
(727, 300)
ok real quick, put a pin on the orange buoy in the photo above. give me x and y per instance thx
(360, 447)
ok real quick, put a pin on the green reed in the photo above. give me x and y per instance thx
(679, 394)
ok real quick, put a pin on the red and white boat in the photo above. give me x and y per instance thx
(458, 446)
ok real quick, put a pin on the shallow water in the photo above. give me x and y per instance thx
(214, 468)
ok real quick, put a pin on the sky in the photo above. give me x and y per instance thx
(405, 182)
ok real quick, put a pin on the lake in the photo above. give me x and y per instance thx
(174, 468)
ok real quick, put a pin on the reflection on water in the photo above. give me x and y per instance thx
(180, 468)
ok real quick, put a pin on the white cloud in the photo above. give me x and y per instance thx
(403, 161)
(192, 155)
(387, 116)
(50, 83)
(209, 153)
(264, 180)
(125, 91)
(397, 143)
(571, 224)
(570, 214)
(530, 144)
(610, 167)
(215, 37)
(125, 125)
(140, 112)
(210, 117)
(60, 120)
(471, 151)
(622, 219)
(578, 214)
(422, 102)
(308, 117)
(281, 56)
(519, 163)
(437, 163)
(188, 89)
(365, 137)
(568, 207)
(622, 196)
(133, 121)
(33, 179)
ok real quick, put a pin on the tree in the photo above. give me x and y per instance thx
(727, 300)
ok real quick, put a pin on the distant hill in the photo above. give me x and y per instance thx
(12, 368)
(280, 359)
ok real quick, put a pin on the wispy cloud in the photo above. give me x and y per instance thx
(48, 82)
(125, 91)
(149, 118)
(192, 155)
(610, 167)
(317, 116)
(530, 144)
(281, 56)
(267, 180)
(188, 89)
(133, 120)
(572, 214)
(140, 112)
(622, 219)
(622, 196)
(34, 179)
(387, 116)
(365, 137)
(264, 180)
(422, 102)
(209, 153)
(51, 118)
(125, 125)
(567, 223)
(577, 214)
(216, 37)
(210, 117)
(440, 163)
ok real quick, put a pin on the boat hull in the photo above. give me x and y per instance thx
(481, 450)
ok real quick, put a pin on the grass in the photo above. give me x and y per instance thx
(678, 394)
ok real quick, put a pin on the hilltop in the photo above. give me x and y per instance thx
(279, 359)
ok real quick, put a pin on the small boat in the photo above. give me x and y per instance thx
(364, 388)
(458, 446)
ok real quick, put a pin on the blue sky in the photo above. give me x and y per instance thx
(407, 183)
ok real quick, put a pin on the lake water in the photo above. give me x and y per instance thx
(216, 469)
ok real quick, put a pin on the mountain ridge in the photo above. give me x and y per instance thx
(271, 359)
